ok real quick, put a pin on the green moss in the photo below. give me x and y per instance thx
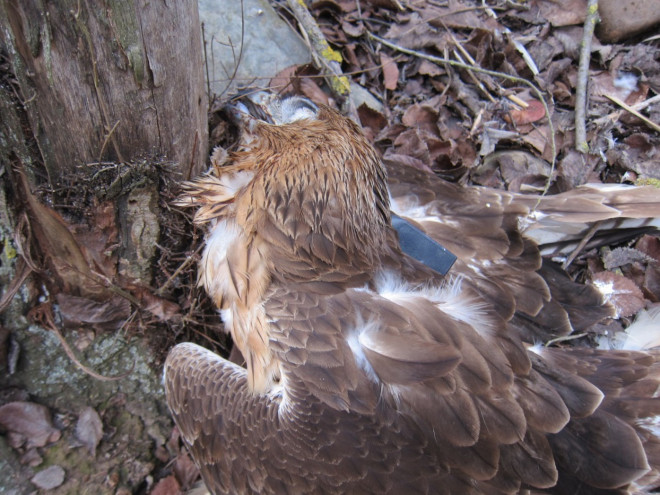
(9, 252)
(62, 454)
(648, 181)
(331, 54)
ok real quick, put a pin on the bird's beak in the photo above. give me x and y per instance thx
(250, 104)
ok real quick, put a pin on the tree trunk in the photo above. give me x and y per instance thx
(109, 80)
(102, 105)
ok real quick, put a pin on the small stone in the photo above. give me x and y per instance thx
(620, 20)
(49, 478)
(28, 422)
(31, 458)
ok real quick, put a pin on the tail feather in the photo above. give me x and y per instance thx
(558, 222)
(629, 415)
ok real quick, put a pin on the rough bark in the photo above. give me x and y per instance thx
(109, 80)
(97, 99)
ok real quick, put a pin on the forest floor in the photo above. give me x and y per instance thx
(488, 127)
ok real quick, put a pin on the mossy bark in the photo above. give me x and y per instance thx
(104, 91)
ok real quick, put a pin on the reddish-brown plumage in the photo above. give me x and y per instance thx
(367, 372)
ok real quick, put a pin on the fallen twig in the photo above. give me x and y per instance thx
(630, 109)
(581, 144)
(178, 271)
(578, 249)
(637, 106)
(327, 59)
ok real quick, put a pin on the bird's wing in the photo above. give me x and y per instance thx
(559, 220)
(390, 380)
(201, 387)
(481, 227)
(630, 382)
(454, 376)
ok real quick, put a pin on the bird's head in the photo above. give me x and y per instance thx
(318, 195)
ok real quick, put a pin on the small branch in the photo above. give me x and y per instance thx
(637, 106)
(206, 67)
(581, 144)
(237, 62)
(107, 138)
(474, 78)
(518, 101)
(72, 356)
(578, 249)
(501, 75)
(178, 271)
(327, 59)
(630, 109)
(44, 316)
(565, 338)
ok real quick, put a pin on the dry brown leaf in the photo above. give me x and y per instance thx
(415, 34)
(619, 291)
(167, 486)
(516, 168)
(76, 310)
(537, 138)
(562, 12)
(651, 284)
(575, 168)
(29, 421)
(372, 121)
(89, 429)
(427, 68)
(390, 71)
(456, 16)
(625, 87)
(422, 117)
(186, 471)
(163, 309)
(313, 91)
(284, 79)
(412, 143)
(60, 247)
(387, 4)
(650, 245)
(352, 29)
(532, 113)
(98, 242)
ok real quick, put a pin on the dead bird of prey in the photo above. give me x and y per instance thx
(369, 372)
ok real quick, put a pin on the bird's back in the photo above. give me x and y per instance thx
(374, 374)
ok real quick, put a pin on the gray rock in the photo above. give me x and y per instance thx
(622, 19)
(49, 478)
(247, 48)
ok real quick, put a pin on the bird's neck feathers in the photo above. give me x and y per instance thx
(306, 205)
(318, 199)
